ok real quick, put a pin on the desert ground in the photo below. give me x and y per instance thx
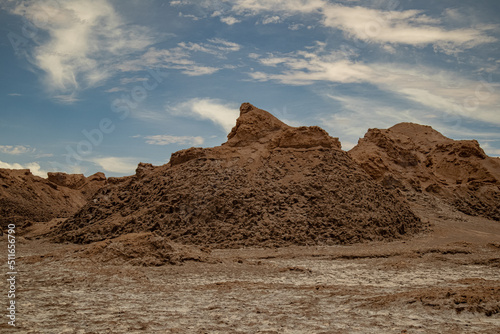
(444, 280)
(276, 231)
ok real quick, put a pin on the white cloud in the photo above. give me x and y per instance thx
(436, 89)
(116, 164)
(44, 155)
(291, 6)
(229, 20)
(304, 68)
(489, 149)
(216, 46)
(85, 38)
(220, 113)
(15, 150)
(224, 45)
(410, 27)
(179, 140)
(176, 58)
(15, 94)
(271, 19)
(34, 167)
(180, 57)
(66, 98)
(350, 122)
(190, 16)
(295, 26)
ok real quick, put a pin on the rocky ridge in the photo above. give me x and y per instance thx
(270, 184)
(418, 160)
(25, 197)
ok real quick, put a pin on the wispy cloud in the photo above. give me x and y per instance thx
(179, 140)
(271, 19)
(189, 16)
(219, 112)
(44, 155)
(34, 167)
(229, 20)
(116, 164)
(440, 90)
(215, 46)
(66, 98)
(84, 39)
(117, 89)
(16, 150)
(148, 115)
(410, 27)
(383, 26)
(350, 121)
(181, 57)
(15, 94)
(490, 150)
(175, 58)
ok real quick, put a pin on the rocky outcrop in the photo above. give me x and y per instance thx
(269, 185)
(417, 159)
(26, 197)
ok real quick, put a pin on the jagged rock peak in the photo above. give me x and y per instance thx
(253, 125)
(256, 126)
(246, 107)
(258, 130)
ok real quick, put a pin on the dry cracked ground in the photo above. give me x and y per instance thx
(446, 280)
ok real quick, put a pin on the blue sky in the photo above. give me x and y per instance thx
(93, 86)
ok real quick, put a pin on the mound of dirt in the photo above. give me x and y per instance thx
(26, 197)
(418, 159)
(144, 249)
(269, 185)
(478, 296)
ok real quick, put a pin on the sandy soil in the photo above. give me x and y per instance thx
(444, 281)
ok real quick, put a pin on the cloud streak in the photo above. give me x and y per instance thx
(181, 57)
(16, 150)
(179, 140)
(441, 91)
(84, 39)
(218, 112)
(381, 26)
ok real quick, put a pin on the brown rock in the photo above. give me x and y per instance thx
(420, 159)
(26, 197)
(269, 185)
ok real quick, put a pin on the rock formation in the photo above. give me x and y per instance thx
(269, 185)
(26, 197)
(417, 159)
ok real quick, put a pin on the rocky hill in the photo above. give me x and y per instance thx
(269, 185)
(417, 159)
(26, 197)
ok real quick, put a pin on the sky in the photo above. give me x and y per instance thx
(101, 85)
